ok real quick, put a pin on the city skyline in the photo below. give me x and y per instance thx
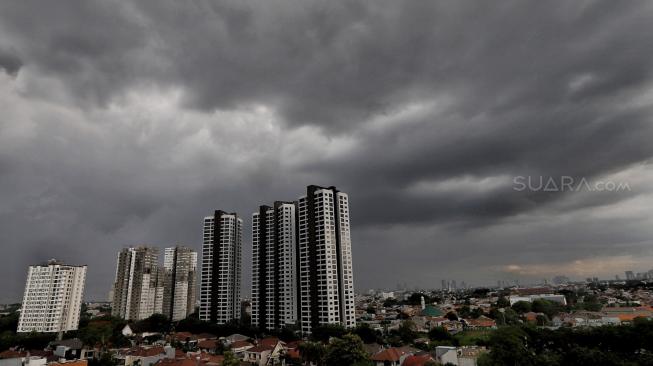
(478, 142)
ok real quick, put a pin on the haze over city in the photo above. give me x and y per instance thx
(125, 123)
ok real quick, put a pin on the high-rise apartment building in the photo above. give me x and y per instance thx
(221, 268)
(53, 298)
(326, 282)
(274, 266)
(138, 288)
(180, 268)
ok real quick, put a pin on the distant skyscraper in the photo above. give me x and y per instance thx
(180, 266)
(630, 275)
(138, 288)
(53, 298)
(274, 266)
(325, 263)
(221, 268)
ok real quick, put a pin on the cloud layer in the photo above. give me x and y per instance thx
(126, 122)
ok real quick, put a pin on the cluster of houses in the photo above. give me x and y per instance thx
(620, 307)
(206, 349)
(69, 352)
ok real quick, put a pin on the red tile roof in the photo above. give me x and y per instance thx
(259, 349)
(390, 354)
(12, 354)
(145, 352)
(208, 344)
(270, 341)
(417, 360)
(183, 336)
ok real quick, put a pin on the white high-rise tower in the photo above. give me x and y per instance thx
(138, 288)
(53, 298)
(325, 264)
(274, 266)
(180, 265)
(221, 268)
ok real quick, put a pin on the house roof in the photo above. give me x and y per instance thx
(206, 336)
(236, 337)
(269, 341)
(192, 360)
(391, 354)
(259, 349)
(12, 354)
(176, 362)
(208, 344)
(294, 353)
(145, 352)
(70, 363)
(72, 343)
(417, 360)
(431, 310)
(183, 336)
(482, 321)
(240, 344)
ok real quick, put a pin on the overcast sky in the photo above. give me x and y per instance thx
(126, 123)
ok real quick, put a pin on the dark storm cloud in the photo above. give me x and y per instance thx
(125, 122)
(9, 62)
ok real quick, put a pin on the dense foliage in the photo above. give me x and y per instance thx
(607, 345)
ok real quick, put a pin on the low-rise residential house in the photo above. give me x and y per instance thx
(420, 359)
(446, 354)
(268, 351)
(452, 326)
(208, 345)
(393, 356)
(192, 359)
(127, 331)
(372, 348)
(235, 337)
(468, 356)
(482, 322)
(69, 363)
(69, 349)
(239, 347)
(461, 356)
(15, 358)
(144, 356)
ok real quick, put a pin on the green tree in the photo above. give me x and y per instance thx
(367, 334)
(346, 351)
(324, 332)
(502, 302)
(406, 331)
(439, 334)
(312, 353)
(508, 347)
(154, 323)
(476, 313)
(230, 359)
(547, 307)
(390, 302)
(416, 298)
(521, 307)
(464, 312)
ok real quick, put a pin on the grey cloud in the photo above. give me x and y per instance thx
(10, 62)
(126, 122)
